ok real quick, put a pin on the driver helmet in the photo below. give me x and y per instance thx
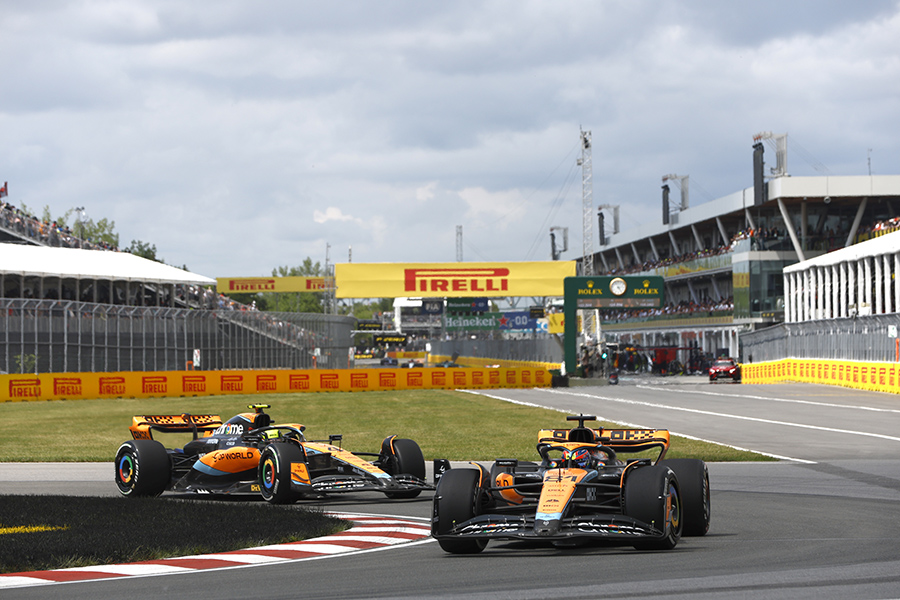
(580, 458)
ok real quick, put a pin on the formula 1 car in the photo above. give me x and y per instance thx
(725, 368)
(249, 455)
(581, 490)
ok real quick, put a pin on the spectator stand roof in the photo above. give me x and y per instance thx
(43, 261)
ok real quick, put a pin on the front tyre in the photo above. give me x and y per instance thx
(143, 468)
(457, 499)
(275, 472)
(693, 482)
(652, 496)
(404, 457)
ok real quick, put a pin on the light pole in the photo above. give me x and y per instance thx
(79, 225)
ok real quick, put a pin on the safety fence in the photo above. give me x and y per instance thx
(871, 376)
(543, 349)
(54, 336)
(871, 338)
(76, 386)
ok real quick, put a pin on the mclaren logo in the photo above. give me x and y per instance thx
(494, 279)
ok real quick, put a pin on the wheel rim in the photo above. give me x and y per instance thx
(269, 471)
(673, 509)
(126, 470)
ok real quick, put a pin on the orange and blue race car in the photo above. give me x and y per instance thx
(581, 490)
(248, 454)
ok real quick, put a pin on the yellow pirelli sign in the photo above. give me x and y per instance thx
(252, 285)
(451, 280)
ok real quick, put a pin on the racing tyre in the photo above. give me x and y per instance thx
(143, 468)
(652, 496)
(457, 499)
(693, 482)
(404, 458)
(275, 472)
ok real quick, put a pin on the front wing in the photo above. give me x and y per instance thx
(613, 527)
(334, 484)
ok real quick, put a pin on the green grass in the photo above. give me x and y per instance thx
(56, 532)
(445, 423)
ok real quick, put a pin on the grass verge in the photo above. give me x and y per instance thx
(54, 532)
(445, 423)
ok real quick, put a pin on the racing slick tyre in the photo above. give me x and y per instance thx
(404, 458)
(143, 468)
(457, 499)
(652, 496)
(693, 482)
(275, 472)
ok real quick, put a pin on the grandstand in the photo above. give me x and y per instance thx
(67, 308)
(724, 261)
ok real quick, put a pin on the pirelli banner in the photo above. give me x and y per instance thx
(451, 280)
(876, 377)
(252, 285)
(79, 386)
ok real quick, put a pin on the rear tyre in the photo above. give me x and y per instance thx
(404, 458)
(693, 482)
(652, 496)
(457, 499)
(275, 472)
(143, 468)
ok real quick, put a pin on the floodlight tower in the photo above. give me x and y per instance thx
(587, 224)
(587, 205)
(459, 244)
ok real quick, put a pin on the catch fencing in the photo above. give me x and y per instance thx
(867, 339)
(53, 336)
(541, 349)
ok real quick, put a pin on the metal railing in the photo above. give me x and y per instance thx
(869, 338)
(52, 336)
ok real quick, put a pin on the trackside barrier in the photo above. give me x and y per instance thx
(476, 361)
(875, 377)
(158, 384)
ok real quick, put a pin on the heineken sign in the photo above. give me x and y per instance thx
(519, 320)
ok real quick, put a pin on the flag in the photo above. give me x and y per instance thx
(3, 191)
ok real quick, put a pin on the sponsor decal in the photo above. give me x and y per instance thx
(25, 388)
(154, 384)
(359, 380)
(526, 377)
(274, 284)
(266, 383)
(298, 382)
(388, 380)
(232, 383)
(193, 383)
(438, 378)
(456, 280)
(112, 386)
(494, 377)
(459, 378)
(415, 379)
(229, 429)
(67, 386)
(511, 377)
(477, 377)
(329, 381)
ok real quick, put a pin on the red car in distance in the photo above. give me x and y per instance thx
(725, 368)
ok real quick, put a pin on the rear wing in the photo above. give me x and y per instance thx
(142, 426)
(620, 440)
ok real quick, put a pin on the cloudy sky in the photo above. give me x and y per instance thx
(238, 136)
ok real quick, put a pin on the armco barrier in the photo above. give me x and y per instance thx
(875, 377)
(157, 384)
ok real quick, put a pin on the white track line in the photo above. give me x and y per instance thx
(684, 435)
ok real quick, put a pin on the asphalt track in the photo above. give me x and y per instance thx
(822, 522)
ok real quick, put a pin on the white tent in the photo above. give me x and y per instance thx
(43, 261)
